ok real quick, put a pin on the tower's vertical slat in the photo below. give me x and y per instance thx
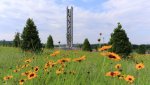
(71, 26)
(69, 34)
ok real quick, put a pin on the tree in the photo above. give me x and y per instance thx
(120, 42)
(142, 49)
(86, 45)
(50, 44)
(4, 42)
(30, 37)
(16, 40)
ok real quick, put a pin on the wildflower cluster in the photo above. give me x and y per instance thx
(28, 72)
(118, 67)
(58, 65)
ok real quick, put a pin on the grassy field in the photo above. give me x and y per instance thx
(90, 71)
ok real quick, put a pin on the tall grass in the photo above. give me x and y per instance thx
(88, 72)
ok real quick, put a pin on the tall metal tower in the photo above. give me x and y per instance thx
(69, 27)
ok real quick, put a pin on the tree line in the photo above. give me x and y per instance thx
(29, 40)
(141, 49)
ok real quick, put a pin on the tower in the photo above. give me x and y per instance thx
(69, 34)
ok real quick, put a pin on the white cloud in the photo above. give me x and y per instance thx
(133, 15)
(50, 18)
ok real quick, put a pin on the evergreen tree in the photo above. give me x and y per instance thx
(142, 49)
(86, 45)
(120, 42)
(50, 44)
(4, 43)
(30, 37)
(16, 40)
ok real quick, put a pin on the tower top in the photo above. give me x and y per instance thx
(69, 7)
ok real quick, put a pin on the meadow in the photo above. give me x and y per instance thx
(69, 67)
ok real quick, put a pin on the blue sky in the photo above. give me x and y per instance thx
(90, 18)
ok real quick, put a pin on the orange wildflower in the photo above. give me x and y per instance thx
(32, 75)
(129, 78)
(139, 66)
(36, 69)
(25, 73)
(50, 64)
(60, 71)
(28, 61)
(21, 82)
(46, 65)
(118, 66)
(57, 52)
(45, 69)
(113, 74)
(113, 56)
(63, 60)
(17, 70)
(24, 66)
(104, 48)
(79, 59)
(121, 76)
(7, 77)
(53, 55)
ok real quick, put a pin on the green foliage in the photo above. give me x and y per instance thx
(120, 42)
(88, 72)
(86, 45)
(50, 44)
(30, 37)
(16, 40)
(141, 49)
(6, 43)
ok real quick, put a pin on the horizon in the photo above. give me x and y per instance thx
(78, 43)
(91, 17)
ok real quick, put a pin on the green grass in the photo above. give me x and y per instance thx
(88, 72)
